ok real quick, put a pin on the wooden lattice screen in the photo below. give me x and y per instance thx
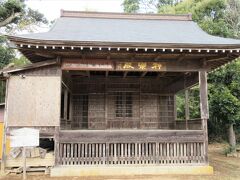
(120, 105)
(131, 147)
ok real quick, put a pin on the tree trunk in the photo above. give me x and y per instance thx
(231, 135)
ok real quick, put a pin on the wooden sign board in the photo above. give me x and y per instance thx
(93, 65)
(140, 66)
(24, 137)
(108, 65)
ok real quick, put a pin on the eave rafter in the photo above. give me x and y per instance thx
(197, 50)
(121, 46)
(41, 50)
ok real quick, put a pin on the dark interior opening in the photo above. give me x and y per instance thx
(46, 143)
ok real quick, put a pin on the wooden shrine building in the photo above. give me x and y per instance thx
(103, 86)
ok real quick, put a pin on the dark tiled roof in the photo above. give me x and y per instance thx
(121, 28)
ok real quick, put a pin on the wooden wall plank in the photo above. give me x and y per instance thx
(34, 101)
(187, 116)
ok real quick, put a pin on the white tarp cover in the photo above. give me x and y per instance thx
(24, 137)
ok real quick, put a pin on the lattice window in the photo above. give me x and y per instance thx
(124, 104)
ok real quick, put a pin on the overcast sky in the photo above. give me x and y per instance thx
(51, 8)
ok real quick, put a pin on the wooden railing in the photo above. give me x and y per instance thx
(130, 147)
(191, 124)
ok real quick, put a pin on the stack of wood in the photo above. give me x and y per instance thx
(30, 152)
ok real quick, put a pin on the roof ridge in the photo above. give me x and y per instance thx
(114, 15)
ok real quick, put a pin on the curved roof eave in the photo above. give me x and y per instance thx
(43, 42)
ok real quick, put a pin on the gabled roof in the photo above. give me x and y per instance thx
(92, 35)
(132, 29)
(27, 67)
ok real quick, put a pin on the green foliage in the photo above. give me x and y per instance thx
(209, 14)
(30, 19)
(224, 99)
(20, 61)
(194, 107)
(232, 18)
(9, 7)
(217, 17)
(166, 2)
(224, 105)
(230, 149)
(148, 6)
(25, 18)
(131, 6)
(194, 102)
(15, 16)
(6, 54)
(180, 102)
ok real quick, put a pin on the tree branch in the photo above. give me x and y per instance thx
(9, 19)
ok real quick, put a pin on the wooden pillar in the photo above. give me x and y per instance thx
(71, 108)
(106, 104)
(187, 107)
(56, 146)
(175, 111)
(140, 105)
(204, 109)
(65, 105)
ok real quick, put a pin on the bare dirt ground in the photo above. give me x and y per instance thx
(225, 168)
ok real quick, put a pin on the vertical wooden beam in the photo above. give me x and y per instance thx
(158, 112)
(56, 146)
(175, 110)
(106, 104)
(203, 94)
(204, 109)
(140, 104)
(60, 95)
(70, 108)
(65, 105)
(186, 107)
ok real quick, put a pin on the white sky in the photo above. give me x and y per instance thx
(51, 8)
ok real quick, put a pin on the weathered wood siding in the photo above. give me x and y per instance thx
(34, 101)
(96, 113)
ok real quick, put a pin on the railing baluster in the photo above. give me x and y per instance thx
(130, 152)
